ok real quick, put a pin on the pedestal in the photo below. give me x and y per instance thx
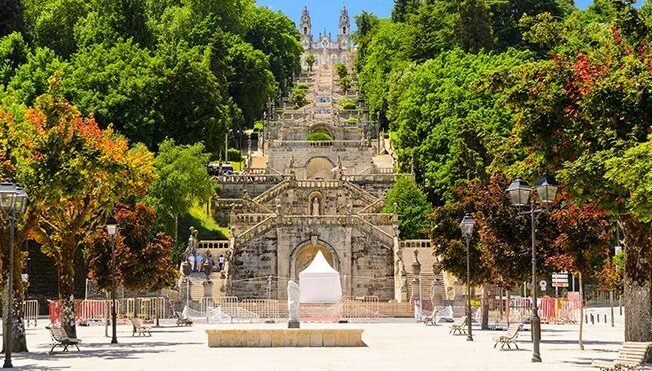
(208, 289)
(293, 324)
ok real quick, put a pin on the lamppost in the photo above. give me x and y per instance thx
(112, 230)
(519, 194)
(13, 201)
(466, 226)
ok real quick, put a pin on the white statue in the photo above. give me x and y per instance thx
(315, 206)
(293, 301)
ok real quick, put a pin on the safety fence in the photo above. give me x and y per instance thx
(551, 310)
(360, 307)
(97, 310)
(30, 312)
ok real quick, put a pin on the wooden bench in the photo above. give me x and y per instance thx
(140, 327)
(181, 320)
(430, 320)
(509, 337)
(632, 356)
(458, 328)
(60, 338)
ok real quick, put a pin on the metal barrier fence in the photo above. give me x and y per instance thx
(264, 308)
(227, 303)
(155, 307)
(360, 307)
(30, 312)
(95, 310)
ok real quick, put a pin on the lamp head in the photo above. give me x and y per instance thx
(547, 189)
(111, 226)
(519, 192)
(467, 225)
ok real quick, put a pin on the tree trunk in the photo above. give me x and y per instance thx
(637, 279)
(611, 306)
(507, 310)
(18, 335)
(67, 297)
(485, 307)
(581, 341)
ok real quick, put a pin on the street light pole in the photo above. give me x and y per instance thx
(13, 200)
(466, 226)
(535, 321)
(519, 194)
(112, 230)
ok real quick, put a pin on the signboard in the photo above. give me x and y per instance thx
(543, 285)
(560, 279)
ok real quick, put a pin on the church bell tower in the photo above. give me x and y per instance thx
(344, 29)
(306, 29)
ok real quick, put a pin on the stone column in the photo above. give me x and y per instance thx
(282, 261)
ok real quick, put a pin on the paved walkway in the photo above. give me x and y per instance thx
(391, 345)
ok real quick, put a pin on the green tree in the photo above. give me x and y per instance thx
(461, 131)
(403, 8)
(311, 61)
(575, 114)
(412, 207)
(251, 82)
(143, 256)
(54, 23)
(345, 84)
(13, 53)
(31, 78)
(341, 70)
(182, 181)
(474, 26)
(366, 23)
(74, 171)
(10, 16)
(277, 36)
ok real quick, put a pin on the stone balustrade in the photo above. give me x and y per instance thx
(214, 244)
(251, 218)
(378, 218)
(415, 244)
(265, 338)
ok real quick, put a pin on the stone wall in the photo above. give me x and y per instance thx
(354, 158)
(251, 265)
(373, 268)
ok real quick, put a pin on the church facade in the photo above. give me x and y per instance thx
(326, 49)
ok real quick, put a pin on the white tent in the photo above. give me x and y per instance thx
(319, 283)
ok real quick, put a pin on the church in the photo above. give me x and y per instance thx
(326, 50)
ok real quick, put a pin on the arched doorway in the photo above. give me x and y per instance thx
(319, 167)
(303, 255)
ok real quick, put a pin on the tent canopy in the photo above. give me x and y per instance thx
(319, 283)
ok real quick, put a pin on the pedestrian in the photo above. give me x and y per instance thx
(199, 262)
(220, 263)
(191, 260)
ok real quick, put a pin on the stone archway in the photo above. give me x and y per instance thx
(319, 167)
(303, 255)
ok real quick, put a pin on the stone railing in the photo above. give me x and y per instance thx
(376, 205)
(317, 183)
(250, 204)
(374, 231)
(228, 202)
(255, 178)
(272, 192)
(372, 178)
(214, 244)
(415, 244)
(320, 143)
(378, 218)
(364, 195)
(252, 218)
(257, 230)
(314, 219)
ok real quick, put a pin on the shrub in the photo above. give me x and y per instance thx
(259, 126)
(319, 136)
(346, 103)
(302, 86)
(341, 70)
(234, 155)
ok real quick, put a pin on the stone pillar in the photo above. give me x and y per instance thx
(208, 289)
(282, 261)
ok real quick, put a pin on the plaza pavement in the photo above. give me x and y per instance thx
(390, 345)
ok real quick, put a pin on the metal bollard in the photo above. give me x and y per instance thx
(605, 318)
(592, 319)
(586, 319)
(598, 318)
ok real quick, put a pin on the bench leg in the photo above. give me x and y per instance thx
(77, 347)
(495, 345)
(515, 345)
(54, 346)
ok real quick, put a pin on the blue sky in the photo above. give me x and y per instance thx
(325, 13)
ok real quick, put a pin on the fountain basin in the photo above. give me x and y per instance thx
(265, 338)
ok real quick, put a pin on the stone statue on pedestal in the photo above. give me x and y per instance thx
(293, 304)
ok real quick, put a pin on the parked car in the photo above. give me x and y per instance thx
(220, 169)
